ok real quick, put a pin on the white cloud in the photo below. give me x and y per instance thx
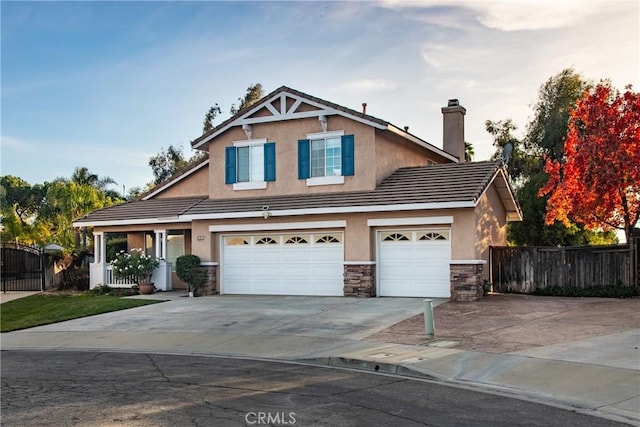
(514, 15)
(532, 15)
(7, 142)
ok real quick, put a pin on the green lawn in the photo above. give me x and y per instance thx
(44, 309)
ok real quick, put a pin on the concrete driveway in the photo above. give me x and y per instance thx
(327, 317)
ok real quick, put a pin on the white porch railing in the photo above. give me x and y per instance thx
(102, 274)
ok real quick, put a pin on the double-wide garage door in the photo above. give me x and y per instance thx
(414, 263)
(283, 264)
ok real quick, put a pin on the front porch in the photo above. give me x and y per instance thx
(101, 273)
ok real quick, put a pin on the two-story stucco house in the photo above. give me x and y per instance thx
(301, 196)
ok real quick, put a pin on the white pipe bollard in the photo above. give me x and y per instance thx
(429, 327)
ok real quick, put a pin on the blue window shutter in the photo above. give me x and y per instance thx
(304, 152)
(230, 165)
(270, 161)
(348, 161)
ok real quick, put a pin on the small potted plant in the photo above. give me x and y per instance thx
(137, 267)
(187, 269)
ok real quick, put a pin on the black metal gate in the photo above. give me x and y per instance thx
(22, 267)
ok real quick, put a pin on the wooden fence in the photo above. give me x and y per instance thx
(525, 269)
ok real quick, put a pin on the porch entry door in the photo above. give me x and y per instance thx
(283, 264)
(414, 263)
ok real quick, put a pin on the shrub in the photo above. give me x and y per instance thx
(187, 269)
(75, 278)
(100, 290)
(114, 292)
(135, 266)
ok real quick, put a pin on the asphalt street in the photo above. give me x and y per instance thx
(66, 388)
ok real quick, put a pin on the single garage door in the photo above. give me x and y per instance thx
(283, 264)
(414, 263)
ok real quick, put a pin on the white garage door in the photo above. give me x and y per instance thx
(283, 264)
(414, 263)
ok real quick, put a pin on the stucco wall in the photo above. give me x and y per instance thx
(393, 152)
(377, 155)
(286, 135)
(491, 223)
(135, 241)
(194, 185)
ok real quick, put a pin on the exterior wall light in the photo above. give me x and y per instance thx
(265, 212)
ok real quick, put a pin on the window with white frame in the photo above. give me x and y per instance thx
(326, 157)
(250, 163)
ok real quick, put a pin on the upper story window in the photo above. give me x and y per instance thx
(250, 164)
(326, 158)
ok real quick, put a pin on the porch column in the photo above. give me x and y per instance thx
(97, 269)
(161, 244)
(162, 275)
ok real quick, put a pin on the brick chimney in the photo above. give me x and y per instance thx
(453, 129)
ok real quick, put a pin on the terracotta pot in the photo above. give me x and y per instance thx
(146, 288)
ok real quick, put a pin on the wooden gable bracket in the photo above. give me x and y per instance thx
(277, 106)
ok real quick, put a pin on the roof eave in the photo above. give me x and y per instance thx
(506, 194)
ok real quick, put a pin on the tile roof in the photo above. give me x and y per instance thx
(441, 184)
(143, 210)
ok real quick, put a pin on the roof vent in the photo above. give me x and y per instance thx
(453, 103)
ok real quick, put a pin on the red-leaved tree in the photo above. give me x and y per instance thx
(598, 181)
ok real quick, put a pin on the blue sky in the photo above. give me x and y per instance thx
(106, 85)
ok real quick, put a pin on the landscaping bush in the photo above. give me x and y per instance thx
(75, 278)
(595, 291)
(188, 270)
(114, 292)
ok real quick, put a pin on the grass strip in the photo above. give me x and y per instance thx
(41, 309)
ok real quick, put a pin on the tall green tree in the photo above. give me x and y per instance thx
(254, 94)
(166, 163)
(209, 117)
(503, 135)
(19, 206)
(44, 213)
(64, 202)
(469, 152)
(82, 175)
(556, 98)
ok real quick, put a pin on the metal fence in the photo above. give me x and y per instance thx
(21, 267)
(525, 269)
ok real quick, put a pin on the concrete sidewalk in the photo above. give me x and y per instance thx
(596, 374)
(11, 295)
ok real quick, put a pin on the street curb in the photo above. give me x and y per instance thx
(515, 393)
